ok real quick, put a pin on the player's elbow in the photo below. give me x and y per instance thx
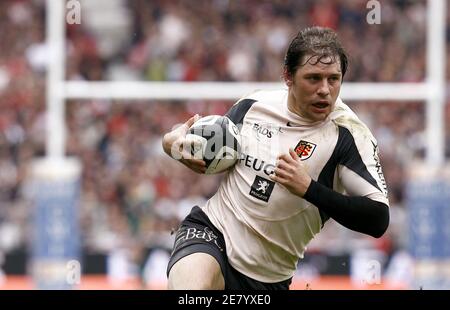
(382, 222)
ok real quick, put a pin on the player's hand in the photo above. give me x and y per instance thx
(291, 173)
(177, 146)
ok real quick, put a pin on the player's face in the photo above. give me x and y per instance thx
(314, 88)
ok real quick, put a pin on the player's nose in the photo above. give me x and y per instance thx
(324, 88)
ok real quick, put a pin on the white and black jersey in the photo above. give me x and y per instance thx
(266, 228)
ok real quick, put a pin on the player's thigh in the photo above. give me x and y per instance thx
(199, 271)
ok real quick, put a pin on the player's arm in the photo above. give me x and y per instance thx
(359, 213)
(174, 145)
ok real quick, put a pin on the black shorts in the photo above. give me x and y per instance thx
(197, 234)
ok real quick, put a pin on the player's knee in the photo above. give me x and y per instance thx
(198, 271)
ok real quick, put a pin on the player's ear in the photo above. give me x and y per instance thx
(287, 77)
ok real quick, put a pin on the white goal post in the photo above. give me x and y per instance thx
(432, 91)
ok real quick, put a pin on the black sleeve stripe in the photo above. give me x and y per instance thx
(357, 213)
(326, 177)
(345, 153)
(238, 111)
(351, 158)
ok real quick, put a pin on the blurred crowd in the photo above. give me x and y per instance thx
(133, 195)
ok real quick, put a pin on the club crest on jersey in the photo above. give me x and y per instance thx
(305, 149)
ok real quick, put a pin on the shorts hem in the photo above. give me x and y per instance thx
(196, 248)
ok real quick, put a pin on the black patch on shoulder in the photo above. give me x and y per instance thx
(238, 111)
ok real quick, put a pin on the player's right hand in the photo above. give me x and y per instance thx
(291, 173)
(176, 146)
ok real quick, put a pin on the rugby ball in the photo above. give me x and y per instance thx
(216, 140)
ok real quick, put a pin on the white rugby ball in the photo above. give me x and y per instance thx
(216, 140)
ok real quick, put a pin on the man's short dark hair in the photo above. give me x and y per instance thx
(320, 43)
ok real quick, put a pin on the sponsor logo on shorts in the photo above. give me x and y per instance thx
(193, 233)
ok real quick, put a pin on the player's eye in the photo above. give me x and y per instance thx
(334, 78)
(314, 78)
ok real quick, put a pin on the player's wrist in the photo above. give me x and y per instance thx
(309, 189)
(305, 186)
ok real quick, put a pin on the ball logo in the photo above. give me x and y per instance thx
(235, 129)
(216, 140)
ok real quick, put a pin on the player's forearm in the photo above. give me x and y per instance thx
(357, 213)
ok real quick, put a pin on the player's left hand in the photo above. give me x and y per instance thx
(291, 173)
(177, 146)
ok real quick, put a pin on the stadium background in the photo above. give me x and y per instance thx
(132, 195)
